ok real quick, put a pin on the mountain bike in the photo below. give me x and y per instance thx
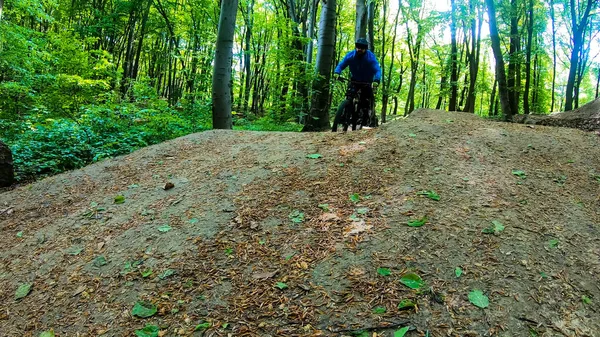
(356, 109)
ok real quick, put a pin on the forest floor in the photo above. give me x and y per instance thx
(259, 237)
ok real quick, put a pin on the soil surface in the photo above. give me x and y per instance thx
(291, 234)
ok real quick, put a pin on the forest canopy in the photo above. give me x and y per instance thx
(84, 80)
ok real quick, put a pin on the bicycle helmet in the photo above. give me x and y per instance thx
(362, 43)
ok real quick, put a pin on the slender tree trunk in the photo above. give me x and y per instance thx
(361, 20)
(597, 82)
(318, 118)
(473, 55)
(513, 65)
(528, 58)
(1, 6)
(493, 97)
(453, 61)
(578, 37)
(314, 4)
(221, 91)
(500, 72)
(136, 64)
(553, 54)
(247, 58)
(371, 23)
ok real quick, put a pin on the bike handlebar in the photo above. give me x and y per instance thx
(343, 79)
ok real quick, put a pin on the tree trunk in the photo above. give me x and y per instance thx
(473, 55)
(528, 58)
(453, 61)
(514, 58)
(221, 91)
(370, 24)
(318, 118)
(553, 54)
(314, 4)
(493, 97)
(578, 30)
(7, 175)
(500, 72)
(360, 30)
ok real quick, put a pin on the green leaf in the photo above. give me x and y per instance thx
(143, 309)
(119, 199)
(146, 272)
(458, 272)
(100, 261)
(380, 310)
(543, 275)
(553, 243)
(412, 135)
(281, 285)
(164, 228)
(148, 331)
(362, 210)
(225, 325)
(166, 274)
(412, 280)
(296, 216)
(75, 250)
(20, 234)
(324, 207)
(23, 290)
(498, 226)
(430, 194)
(519, 173)
(478, 299)
(401, 332)
(354, 217)
(354, 197)
(314, 156)
(49, 333)
(586, 300)
(406, 304)
(202, 326)
(418, 223)
(384, 271)
(360, 333)
(193, 220)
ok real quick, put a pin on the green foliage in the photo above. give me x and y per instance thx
(143, 309)
(412, 280)
(478, 299)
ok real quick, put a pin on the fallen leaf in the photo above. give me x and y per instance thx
(79, 290)
(265, 275)
(169, 186)
(357, 227)
(328, 217)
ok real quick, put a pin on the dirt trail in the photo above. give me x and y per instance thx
(256, 238)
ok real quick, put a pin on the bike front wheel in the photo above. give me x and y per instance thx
(343, 116)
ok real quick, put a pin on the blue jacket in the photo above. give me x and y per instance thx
(362, 69)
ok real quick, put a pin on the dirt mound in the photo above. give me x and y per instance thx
(288, 234)
(585, 118)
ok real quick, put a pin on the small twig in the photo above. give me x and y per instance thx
(389, 325)
(527, 229)
(525, 319)
(6, 210)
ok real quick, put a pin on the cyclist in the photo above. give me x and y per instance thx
(364, 67)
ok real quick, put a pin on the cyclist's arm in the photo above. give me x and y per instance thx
(377, 77)
(343, 64)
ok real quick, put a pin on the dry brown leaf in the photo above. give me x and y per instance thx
(356, 228)
(79, 290)
(326, 217)
(265, 275)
